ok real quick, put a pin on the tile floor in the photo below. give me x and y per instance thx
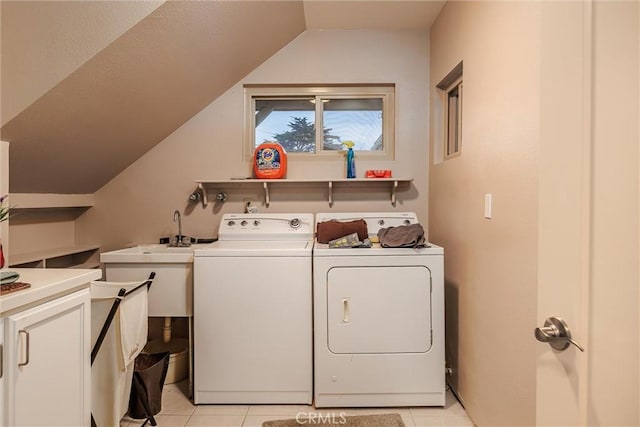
(178, 411)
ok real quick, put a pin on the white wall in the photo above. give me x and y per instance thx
(137, 205)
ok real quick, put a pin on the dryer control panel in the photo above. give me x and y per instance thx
(375, 220)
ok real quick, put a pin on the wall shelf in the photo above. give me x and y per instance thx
(389, 184)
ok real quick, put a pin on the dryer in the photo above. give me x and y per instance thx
(378, 321)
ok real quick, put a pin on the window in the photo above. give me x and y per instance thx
(314, 121)
(450, 90)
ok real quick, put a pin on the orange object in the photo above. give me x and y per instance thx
(270, 161)
(378, 173)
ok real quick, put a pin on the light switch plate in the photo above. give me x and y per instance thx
(488, 208)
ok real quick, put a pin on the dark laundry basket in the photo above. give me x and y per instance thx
(149, 374)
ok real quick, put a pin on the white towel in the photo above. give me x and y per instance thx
(110, 376)
(133, 325)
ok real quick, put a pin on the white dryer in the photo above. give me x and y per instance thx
(378, 321)
(253, 311)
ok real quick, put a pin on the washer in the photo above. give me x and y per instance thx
(379, 321)
(253, 311)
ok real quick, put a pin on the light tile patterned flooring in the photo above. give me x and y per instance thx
(178, 411)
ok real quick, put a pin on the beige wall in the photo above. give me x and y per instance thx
(137, 205)
(613, 364)
(578, 230)
(490, 266)
(42, 229)
(4, 189)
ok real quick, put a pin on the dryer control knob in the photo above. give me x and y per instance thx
(231, 223)
(256, 223)
(244, 223)
(294, 223)
(407, 222)
(381, 222)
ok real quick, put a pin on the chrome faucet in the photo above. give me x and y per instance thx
(178, 218)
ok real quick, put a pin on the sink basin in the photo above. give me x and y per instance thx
(150, 253)
(171, 293)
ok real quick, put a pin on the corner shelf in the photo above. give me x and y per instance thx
(48, 200)
(81, 256)
(392, 185)
(40, 208)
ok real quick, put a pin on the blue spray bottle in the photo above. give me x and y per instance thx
(351, 162)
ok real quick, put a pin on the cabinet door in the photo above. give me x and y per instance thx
(48, 365)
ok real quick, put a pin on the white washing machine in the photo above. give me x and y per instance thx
(253, 311)
(379, 321)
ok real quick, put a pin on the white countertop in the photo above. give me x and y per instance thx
(46, 283)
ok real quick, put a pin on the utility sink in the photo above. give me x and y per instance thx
(150, 253)
(171, 293)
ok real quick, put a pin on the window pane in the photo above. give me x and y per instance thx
(357, 120)
(452, 130)
(291, 122)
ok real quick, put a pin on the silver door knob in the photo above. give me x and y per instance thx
(556, 332)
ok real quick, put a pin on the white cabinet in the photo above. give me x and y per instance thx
(47, 368)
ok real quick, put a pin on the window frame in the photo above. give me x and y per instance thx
(386, 92)
(453, 81)
(452, 148)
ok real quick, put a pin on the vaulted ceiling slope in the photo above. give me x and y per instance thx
(90, 86)
(141, 87)
(45, 41)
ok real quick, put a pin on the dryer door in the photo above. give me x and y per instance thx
(379, 309)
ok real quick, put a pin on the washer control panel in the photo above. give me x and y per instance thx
(266, 227)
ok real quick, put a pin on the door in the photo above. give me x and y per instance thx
(48, 364)
(588, 213)
(379, 309)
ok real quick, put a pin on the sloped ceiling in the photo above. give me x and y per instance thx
(90, 117)
(139, 89)
(45, 41)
